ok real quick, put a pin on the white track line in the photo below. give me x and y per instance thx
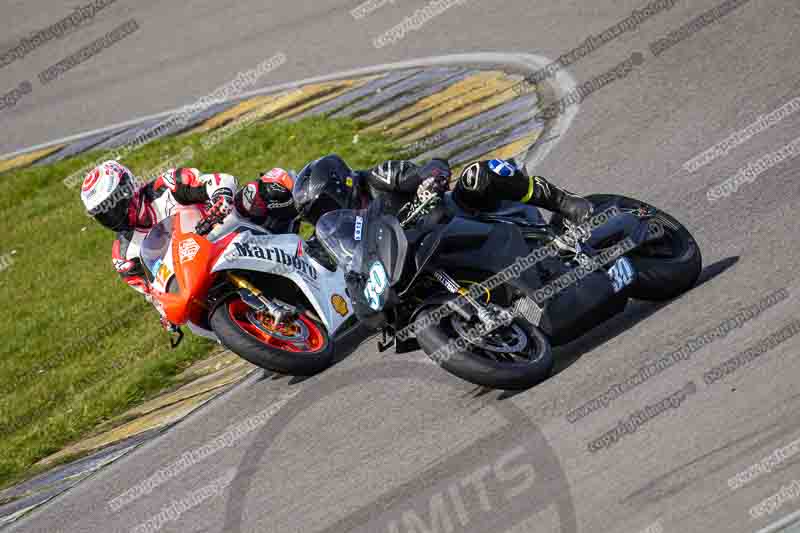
(782, 523)
(523, 64)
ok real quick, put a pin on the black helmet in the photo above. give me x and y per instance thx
(322, 186)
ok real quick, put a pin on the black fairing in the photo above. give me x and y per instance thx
(460, 234)
(581, 307)
(384, 241)
(390, 246)
(493, 247)
(488, 247)
(616, 229)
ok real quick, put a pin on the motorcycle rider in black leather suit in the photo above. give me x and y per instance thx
(328, 184)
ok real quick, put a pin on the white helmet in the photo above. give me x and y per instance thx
(106, 192)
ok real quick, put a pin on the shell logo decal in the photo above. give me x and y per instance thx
(339, 304)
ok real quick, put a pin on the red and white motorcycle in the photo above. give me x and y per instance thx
(271, 299)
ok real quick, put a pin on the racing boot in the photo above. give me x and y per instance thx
(544, 194)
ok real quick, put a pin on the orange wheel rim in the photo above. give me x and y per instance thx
(302, 335)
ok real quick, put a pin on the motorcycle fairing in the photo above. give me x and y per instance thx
(283, 255)
(190, 257)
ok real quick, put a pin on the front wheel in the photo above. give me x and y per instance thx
(299, 348)
(511, 357)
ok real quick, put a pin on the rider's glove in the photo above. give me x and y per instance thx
(221, 206)
(432, 186)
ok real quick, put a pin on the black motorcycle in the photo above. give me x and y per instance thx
(487, 294)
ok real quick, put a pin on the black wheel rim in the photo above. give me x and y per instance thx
(504, 339)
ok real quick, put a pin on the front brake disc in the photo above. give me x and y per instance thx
(505, 339)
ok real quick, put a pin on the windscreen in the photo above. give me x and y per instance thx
(155, 246)
(342, 233)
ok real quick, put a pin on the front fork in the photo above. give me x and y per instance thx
(255, 299)
(487, 314)
(490, 315)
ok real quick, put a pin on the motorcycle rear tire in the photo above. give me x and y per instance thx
(657, 278)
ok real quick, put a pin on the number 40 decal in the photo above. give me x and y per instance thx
(376, 285)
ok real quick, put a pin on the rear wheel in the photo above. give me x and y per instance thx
(514, 356)
(300, 347)
(665, 267)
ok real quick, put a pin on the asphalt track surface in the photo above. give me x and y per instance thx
(391, 443)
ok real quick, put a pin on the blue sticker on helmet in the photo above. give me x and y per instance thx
(502, 168)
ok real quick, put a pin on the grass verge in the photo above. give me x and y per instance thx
(79, 346)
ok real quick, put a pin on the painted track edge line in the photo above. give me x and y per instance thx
(781, 524)
(521, 62)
